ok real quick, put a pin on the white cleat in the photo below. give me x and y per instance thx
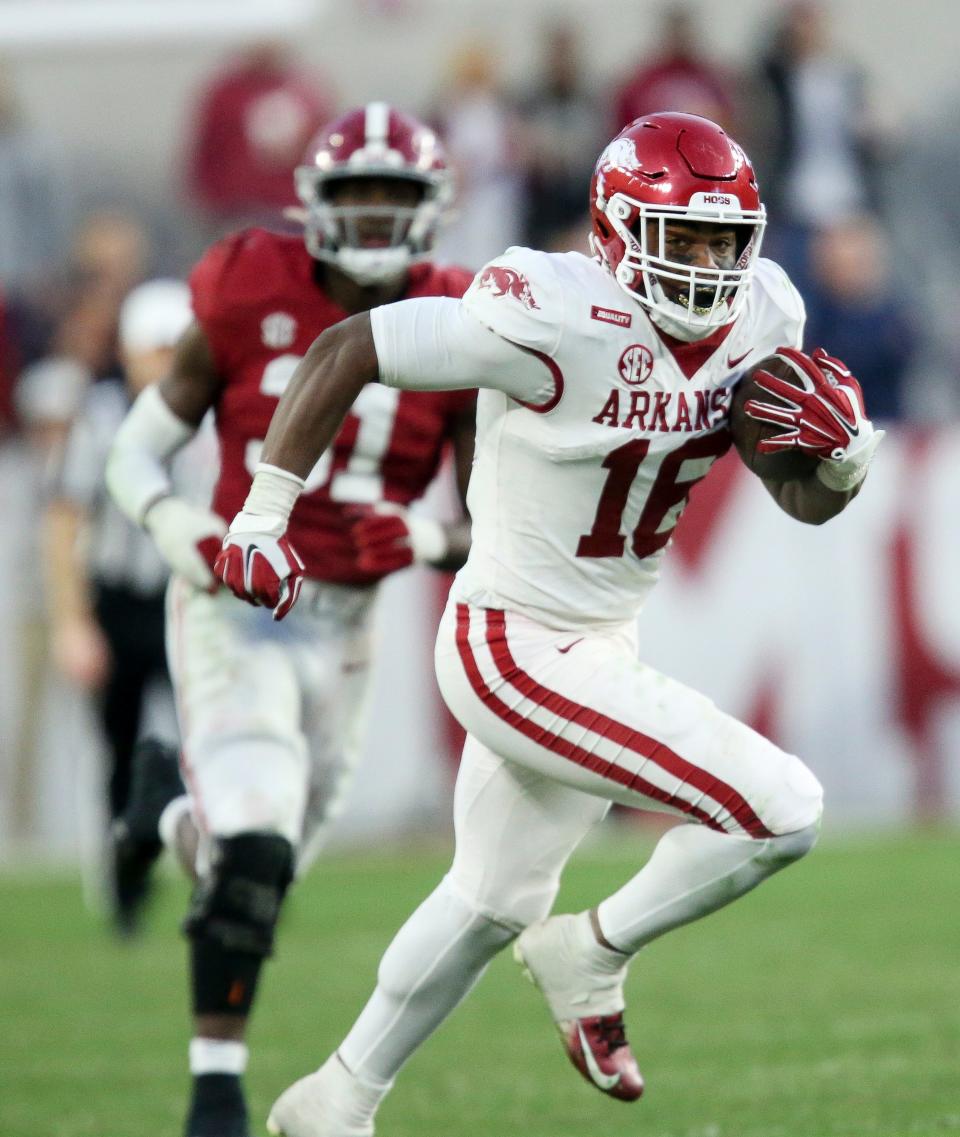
(327, 1103)
(586, 1004)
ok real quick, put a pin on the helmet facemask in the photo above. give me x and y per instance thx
(687, 301)
(371, 243)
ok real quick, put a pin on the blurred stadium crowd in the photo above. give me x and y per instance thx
(831, 169)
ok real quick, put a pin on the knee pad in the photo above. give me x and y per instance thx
(237, 903)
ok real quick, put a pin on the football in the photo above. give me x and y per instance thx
(747, 432)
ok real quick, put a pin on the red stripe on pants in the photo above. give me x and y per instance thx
(642, 744)
(554, 742)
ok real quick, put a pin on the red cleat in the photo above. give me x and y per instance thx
(599, 1049)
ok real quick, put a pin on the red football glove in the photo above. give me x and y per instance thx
(258, 564)
(823, 412)
(388, 538)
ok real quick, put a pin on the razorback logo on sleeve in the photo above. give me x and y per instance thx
(503, 281)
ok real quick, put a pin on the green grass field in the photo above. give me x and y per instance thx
(826, 1003)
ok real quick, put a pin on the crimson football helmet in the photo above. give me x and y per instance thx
(676, 167)
(374, 141)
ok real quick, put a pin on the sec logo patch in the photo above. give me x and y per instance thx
(636, 364)
(278, 330)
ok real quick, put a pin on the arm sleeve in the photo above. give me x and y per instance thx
(501, 335)
(435, 344)
(137, 466)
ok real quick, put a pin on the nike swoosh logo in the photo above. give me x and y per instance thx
(731, 362)
(564, 650)
(248, 554)
(597, 1076)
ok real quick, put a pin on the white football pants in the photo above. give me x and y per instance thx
(560, 725)
(581, 709)
(270, 712)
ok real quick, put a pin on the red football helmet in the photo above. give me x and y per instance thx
(676, 167)
(375, 141)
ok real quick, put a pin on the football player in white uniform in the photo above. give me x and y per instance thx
(605, 396)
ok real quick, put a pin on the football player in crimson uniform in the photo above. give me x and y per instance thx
(268, 714)
(605, 395)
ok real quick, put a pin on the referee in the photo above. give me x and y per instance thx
(106, 580)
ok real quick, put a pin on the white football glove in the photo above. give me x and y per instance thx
(188, 537)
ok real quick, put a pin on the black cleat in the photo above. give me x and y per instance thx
(217, 1108)
(154, 782)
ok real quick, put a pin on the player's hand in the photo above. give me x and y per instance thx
(258, 564)
(388, 538)
(825, 415)
(188, 537)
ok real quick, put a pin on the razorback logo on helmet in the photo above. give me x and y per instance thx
(620, 154)
(508, 282)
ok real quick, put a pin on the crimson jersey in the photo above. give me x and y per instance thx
(257, 300)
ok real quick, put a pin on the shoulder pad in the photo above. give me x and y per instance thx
(240, 269)
(778, 289)
(428, 279)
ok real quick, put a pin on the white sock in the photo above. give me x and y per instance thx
(217, 1056)
(693, 871)
(170, 820)
(432, 963)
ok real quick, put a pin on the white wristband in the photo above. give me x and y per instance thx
(848, 473)
(274, 492)
(836, 477)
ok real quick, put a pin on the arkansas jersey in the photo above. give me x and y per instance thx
(592, 430)
(257, 300)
